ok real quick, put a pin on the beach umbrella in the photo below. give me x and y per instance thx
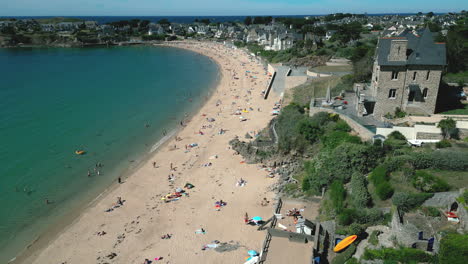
(252, 253)
(257, 218)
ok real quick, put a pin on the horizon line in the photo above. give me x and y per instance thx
(325, 14)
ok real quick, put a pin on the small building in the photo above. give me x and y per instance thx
(329, 34)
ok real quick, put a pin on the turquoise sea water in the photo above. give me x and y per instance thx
(55, 101)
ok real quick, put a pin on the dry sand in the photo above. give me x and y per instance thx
(133, 231)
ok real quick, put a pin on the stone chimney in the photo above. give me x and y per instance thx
(398, 50)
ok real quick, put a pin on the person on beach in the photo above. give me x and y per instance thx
(119, 180)
(154, 164)
(119, 200)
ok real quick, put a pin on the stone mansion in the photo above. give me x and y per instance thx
(406, 74)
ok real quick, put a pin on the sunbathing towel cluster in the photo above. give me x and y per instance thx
(219, 204)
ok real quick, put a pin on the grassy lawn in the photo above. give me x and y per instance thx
(400, 183)
(316, 88)
(461, 111)
(456, 179)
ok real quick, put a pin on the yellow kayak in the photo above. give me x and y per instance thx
(344, 243)
(80, 152)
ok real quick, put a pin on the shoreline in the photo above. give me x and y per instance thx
(42, 252)
(68, 219)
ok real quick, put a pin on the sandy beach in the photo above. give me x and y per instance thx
(131, 232)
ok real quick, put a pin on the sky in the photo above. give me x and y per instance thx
(221, 7)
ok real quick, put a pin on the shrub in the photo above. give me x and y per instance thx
(399, 113)
(305, 185)
(340, 163)
(379, 175)
(368, 216)
(448, 127)
(337, 195)
(407, 201)
(396, 135)
(403, 255)
(360, 197)
(373, 238)
(449, 160)
(335, 138)
(384, 190)
(341, 125)
(426, 182)
(430, 211)
(346, 216)
(289, 139)
(453, 249)
(356, 229)
(465, 197)
(352, 261)
(443, 144)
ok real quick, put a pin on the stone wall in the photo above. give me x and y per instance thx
(362, 132)
(384, 104)
(431, 136)
(382, 82)
(432, 84)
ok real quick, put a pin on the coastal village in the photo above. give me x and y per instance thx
(330, 139)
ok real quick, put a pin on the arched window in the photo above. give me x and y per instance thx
(425, 93)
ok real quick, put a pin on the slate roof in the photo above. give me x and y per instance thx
(424, 51)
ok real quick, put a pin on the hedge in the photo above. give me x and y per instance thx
(403, 255)
(453, 249)
(342, 257)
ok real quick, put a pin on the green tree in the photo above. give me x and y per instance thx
(448, 127)
(407, 201)
(457, 48)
